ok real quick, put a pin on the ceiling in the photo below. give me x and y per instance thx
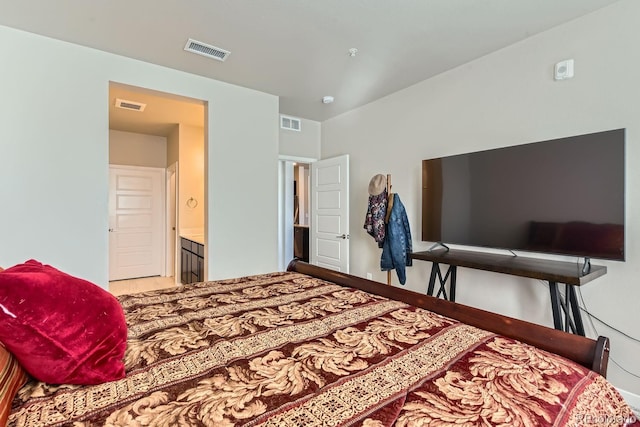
(161, 114)
(299, 49)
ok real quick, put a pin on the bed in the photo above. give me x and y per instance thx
(313, 347)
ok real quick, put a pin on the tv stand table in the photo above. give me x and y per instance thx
(568, 273)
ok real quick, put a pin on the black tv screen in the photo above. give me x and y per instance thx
(563, 196)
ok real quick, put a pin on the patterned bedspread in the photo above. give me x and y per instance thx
(286, 349)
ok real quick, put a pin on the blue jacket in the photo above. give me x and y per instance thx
(397, 242)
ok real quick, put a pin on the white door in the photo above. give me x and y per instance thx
(329, 225)
(136, 222)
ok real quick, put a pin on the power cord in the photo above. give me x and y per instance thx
(591, 317)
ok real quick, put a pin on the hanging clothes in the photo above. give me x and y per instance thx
(397, 244)
(374, 221)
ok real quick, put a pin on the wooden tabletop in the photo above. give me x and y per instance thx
(553, 271)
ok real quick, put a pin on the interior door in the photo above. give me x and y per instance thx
(329, 226)
(136, 221)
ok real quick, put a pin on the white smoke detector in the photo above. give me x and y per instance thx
(563, 70)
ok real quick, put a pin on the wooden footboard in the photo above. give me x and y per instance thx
(592, 354)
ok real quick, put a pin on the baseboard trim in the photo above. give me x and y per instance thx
(633, 400)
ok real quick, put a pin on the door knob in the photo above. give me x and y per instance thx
(111, 230)
(342, 236)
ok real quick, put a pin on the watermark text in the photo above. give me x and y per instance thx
(604, 419)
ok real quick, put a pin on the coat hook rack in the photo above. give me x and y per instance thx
(388, 195)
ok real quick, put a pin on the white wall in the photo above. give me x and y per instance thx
(506, 98)
(136, 149)
(191, 180)
(54, 178)
(295, 146)
(173, 145)
(305, 144)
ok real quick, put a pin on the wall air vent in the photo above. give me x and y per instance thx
(290, 123)
(207, 50)
(130, 105)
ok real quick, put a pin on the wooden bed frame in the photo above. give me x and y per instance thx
(592, 354)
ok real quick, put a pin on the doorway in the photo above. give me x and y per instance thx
(162, 129)
(293, 207)
(327, 187)
(301, 205)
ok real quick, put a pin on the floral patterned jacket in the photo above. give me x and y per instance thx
(374, 221)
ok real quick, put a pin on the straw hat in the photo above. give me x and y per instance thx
(377, 185)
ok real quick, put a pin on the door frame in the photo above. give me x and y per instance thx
(285, 207)
(171, 268)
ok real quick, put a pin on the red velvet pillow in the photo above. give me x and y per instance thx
(61, 329)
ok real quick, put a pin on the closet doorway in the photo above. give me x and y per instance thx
(326, 210)
(301, 211)
(294, 210)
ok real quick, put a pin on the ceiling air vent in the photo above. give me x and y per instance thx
(207, 50)
(290, 123)
(130, 105)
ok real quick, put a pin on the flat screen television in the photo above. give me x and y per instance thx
(563, 196)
